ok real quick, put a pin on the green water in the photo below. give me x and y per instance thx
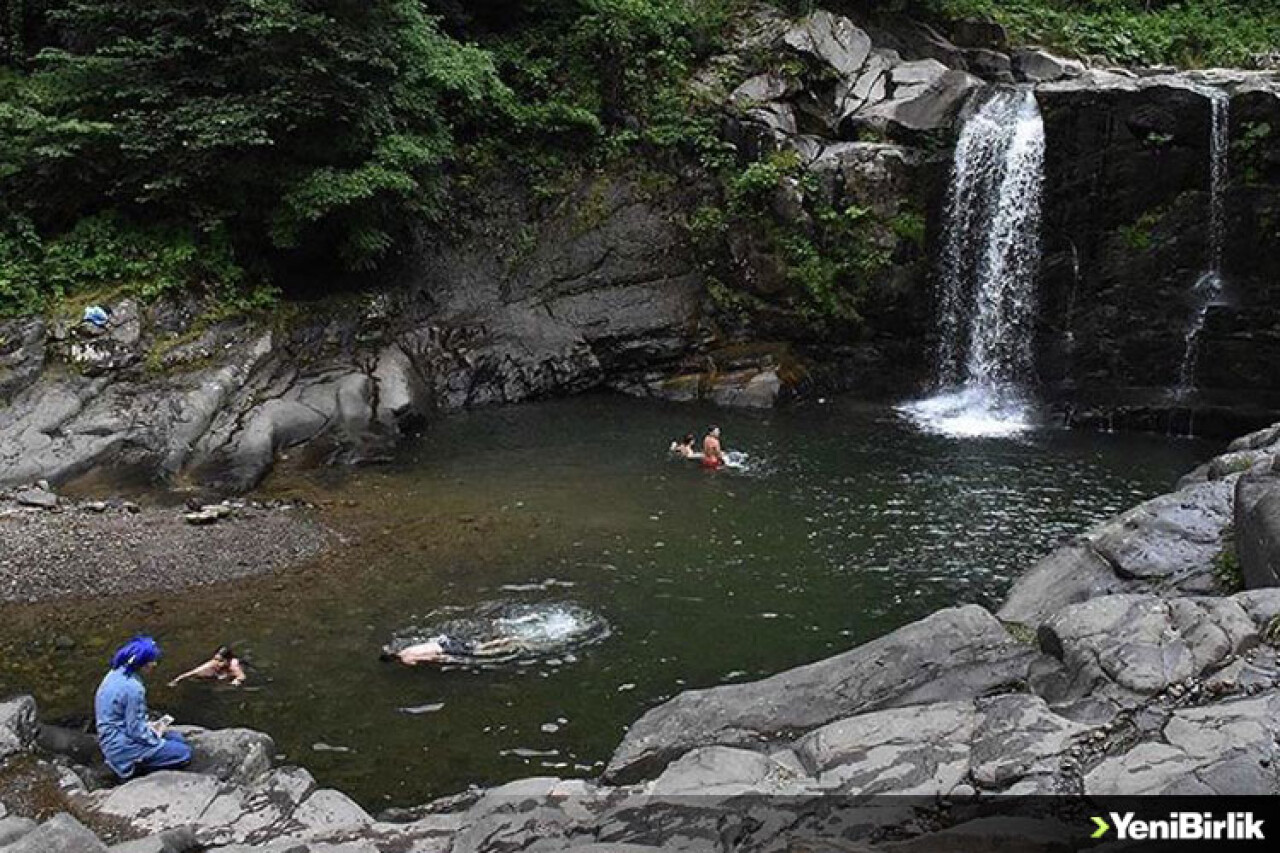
(846, 525)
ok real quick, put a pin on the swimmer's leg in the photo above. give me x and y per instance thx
(500, 646)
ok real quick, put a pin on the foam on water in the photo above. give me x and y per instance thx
(973, 412)
(539, 629)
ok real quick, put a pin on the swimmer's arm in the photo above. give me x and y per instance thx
(204, 670)
(237, 672)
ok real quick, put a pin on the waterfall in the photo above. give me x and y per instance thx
(1208, 287)
(990, 256)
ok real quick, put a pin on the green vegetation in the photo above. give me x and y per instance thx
(243, 147)
(1187, 33)
(1140, 235)
(1247, 150)
(1226, 566)
(824, 255)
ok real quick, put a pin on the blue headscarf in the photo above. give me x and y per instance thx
(136, 654)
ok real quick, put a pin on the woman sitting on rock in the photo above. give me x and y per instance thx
(129, 742)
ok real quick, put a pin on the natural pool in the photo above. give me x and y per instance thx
(847, 523)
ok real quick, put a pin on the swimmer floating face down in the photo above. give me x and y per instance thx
(446, 649)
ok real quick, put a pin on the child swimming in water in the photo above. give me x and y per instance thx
(683, 447)
(446, 649)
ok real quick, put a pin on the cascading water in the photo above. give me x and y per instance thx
(1208, 288)
(990, 256)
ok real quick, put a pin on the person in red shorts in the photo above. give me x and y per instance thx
(712, 454)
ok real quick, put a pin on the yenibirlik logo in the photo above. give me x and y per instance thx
(1183, 826)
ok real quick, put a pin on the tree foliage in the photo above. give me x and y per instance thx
(254, 136)
(317, 125)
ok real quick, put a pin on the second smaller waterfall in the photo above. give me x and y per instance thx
(1208, 288)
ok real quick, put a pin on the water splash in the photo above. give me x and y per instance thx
(539, 630)
(990, 256)
(1208, 287)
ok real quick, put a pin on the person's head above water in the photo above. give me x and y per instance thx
(224, 653)
(713, 431)
(688, 438)
(136, 654)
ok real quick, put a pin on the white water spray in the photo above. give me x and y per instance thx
(1208, 287)
(990, 256)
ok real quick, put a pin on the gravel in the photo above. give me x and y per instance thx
(83, 550)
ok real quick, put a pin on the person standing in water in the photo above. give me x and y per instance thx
(712, 453)
(129, 742)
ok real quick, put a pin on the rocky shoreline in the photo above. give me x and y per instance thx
(1124, 663)
(55, 547)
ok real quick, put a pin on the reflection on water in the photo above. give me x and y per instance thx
(847, 524)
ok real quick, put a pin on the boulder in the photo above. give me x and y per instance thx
(830, 40)
(81, 747)
(1232, 748)
(722, 771)
(977, 33)
(955, 653)
(39, 498)
(1262, 439)
(1033, 65)
(1069, 575)
(13, 828)
(22, 353)
(1119, 650)
(60, 834)
(746, 389)
(19, 726)
(239, 756)
(1257, 528)
(921, 103)
(160, 801)
(181, 840)
(325, 813)
(1168, 545)
(931, 750)
(761, 89)
(989, 64)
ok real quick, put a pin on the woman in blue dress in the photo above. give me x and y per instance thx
(130, 743)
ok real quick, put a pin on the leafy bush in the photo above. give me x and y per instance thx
(105, 254)
(1192, 33)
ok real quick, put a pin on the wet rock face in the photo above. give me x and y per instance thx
(1257, 520)
(1123, 250)
(602, 289)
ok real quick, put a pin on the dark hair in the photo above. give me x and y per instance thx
(224, 652)
(688, 438)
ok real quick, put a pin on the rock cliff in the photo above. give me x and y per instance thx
(614, 285)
